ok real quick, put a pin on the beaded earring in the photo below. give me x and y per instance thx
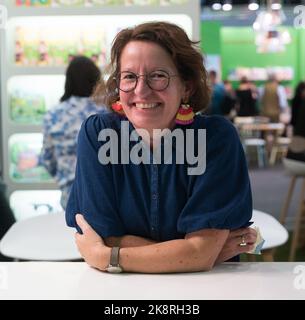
(117, 107)
(185, 115)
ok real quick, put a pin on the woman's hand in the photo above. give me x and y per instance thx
(232, 246)
(91, 246)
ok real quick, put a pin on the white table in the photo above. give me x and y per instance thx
(76, 280)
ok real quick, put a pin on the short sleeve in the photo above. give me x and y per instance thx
(92, 193)
(221, 197)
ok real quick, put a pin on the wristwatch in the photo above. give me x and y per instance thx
(114, 266)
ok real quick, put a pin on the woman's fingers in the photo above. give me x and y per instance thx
(245, 238)
(246, 248)
(89, 235)
(241, 231)
(232, 246)
(247, 235)
(82, 223)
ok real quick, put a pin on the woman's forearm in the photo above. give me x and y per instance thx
(128, 241)
(198, 251)
(165, 257)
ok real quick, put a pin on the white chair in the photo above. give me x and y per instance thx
(297, 170)
(45, 238)
(251, 140)
(260, 146)
(272, 231)
(280, 147)
(243, 120)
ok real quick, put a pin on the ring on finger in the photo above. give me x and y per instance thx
(243, 241)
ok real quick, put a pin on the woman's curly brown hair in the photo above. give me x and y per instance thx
(184, 53)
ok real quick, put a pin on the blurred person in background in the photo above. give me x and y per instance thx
(246, 99)
(273, 99)
(296, 149)
(62, 123)
(218, 94)
(229, 103)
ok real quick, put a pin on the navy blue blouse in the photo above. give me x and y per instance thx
(161, 201)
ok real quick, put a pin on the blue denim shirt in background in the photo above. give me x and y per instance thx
(61, 125)
(161, 201)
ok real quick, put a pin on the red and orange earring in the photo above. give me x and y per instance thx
(185, 115)
(117, 107)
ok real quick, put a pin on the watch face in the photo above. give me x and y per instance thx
(114, 269)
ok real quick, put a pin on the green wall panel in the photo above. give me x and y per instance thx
(302, 54)
(210, 37)
(236, 46)
(238, 49)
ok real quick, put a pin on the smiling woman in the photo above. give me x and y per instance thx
(145, 106)
(149, 216)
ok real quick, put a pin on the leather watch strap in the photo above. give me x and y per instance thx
(114, 257)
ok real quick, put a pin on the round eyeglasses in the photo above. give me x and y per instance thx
(156, 80)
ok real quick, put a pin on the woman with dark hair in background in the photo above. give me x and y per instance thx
(62, 123)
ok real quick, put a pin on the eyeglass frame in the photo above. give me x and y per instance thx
(169, 76)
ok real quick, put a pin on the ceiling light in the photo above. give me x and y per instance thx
(227, 6)
(276, 5)
(253, 5)
(216, 6)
